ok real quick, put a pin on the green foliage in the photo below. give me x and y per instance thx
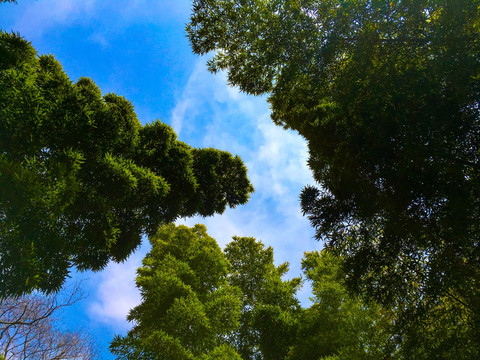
(200, 303)
(447, 330)
(269, 306)
(187, 308)
(387, 95)
(81, 180)
(222, 352)
(338, 325)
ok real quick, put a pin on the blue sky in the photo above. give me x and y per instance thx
(138, 49)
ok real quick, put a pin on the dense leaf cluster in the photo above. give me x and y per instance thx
(188, 308)
(81, 180)
(387, 95)
(269, 309)
(200, 303)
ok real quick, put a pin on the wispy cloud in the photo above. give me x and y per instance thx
(37, 17)
(276, 160)
(116, 293)
(211, 114)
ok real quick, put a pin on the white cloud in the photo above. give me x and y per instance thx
(178, 114)
(116, 292)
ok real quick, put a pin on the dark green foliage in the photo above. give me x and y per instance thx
(81, 180)
(387, 95)
(187, 308)
(448, 330)
(338, 325)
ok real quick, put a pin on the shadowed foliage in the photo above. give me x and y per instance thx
(387, 95)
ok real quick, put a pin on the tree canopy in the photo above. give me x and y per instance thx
(81, 180)
(387, 95)
(270, 309)
(339, 325)
(188, 309)
(200, 303)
